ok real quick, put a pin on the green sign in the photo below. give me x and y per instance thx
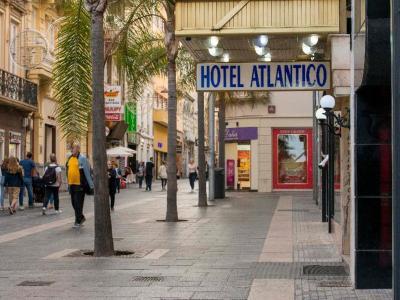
(130, 116)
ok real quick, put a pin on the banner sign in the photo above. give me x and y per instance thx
(241, 134)
(263, 76)
(230, 173)
(113, 102)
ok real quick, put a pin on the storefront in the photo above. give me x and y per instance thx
(160, 144)
(239, 157)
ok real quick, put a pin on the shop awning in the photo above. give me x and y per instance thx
(120, 151)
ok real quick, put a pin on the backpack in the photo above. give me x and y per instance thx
(50, 176)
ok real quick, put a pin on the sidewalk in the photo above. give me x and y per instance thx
(251, 245)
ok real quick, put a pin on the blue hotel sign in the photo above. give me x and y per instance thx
(263, 76)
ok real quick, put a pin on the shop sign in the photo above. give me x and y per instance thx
(2, 135)
(241, 134)
(263, 76)
(113, 117)
(15, 137)
(113, 102)
(230, 173)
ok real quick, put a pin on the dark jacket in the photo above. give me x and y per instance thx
(13, 180)
(112, 180)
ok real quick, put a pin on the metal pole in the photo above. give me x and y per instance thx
(315, 151)
(331, 170)
(324, 187)
(395, 6)
(211, 139)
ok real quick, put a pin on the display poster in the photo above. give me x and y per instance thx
(230, 173)
(113, 102)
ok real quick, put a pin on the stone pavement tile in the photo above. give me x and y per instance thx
(279, 256)
(272, 289)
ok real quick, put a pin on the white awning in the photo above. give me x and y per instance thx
(120, 151)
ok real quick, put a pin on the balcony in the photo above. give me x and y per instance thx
(17, 91)
(160, 116)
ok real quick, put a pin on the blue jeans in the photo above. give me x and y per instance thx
(28, 186)
(2, 190)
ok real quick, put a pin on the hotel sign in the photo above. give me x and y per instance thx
(263, 76)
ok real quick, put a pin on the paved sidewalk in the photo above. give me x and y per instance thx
(250, 245)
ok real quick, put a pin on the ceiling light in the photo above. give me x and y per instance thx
(313, 40)
(263, 40)
(213, 41)
(215, 51)
(307, 49)
(225, 57)
(260, 50)
(267, 57)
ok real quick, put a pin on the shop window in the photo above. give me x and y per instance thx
(243, 165)
(292, 158)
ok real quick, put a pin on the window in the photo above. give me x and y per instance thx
(14, 47)
(14, 147)
(2, 143)
(2, 40)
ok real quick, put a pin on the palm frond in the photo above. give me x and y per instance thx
(72, 72)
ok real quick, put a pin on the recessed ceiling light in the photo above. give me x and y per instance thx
(263, 40)
(313, 40)
(213, 41)
(215, 51)
(225, 57)
(260, 50)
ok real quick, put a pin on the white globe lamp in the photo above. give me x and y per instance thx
(320, 114)
(327, 102)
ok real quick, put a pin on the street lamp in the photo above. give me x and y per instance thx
(320, 115)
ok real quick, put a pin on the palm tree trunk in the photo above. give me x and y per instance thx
(201, 156)
(221, 134)
(103, 238)
(171, 46)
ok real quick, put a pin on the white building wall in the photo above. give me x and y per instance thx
(293, 110)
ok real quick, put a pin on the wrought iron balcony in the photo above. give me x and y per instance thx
(15, 88)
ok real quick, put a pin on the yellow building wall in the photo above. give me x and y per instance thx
(266, 16)
(160, 137)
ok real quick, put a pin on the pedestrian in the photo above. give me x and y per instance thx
(149, 174)
(29, 168)
(52, 181)
(162, 173)
(140, 174)
(119, 176)
(112, 183)
(13, 182)
(79, 182)
(3, 170)
(192, 174)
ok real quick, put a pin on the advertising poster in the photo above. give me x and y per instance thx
(230, 173)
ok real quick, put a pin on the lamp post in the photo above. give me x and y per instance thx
(327, 103)
(321, 117)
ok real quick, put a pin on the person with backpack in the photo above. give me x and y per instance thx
(52, 181)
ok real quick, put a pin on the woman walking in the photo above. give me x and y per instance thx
(13, 182)
(3, 171)
(192, 174)
(52, 181)
(140, 174)
(112, 183)
(162, 173)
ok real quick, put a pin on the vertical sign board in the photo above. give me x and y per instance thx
(310, 75)
(230, 173)
(113, 102)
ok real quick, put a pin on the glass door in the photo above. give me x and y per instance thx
(243, 165)
(292, 158)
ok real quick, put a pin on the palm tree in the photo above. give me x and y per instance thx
(103, 238)
(171, 45)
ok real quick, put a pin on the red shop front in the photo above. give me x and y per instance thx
(292, 158)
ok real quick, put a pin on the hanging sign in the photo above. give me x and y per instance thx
(113, 102)
(263, 76)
